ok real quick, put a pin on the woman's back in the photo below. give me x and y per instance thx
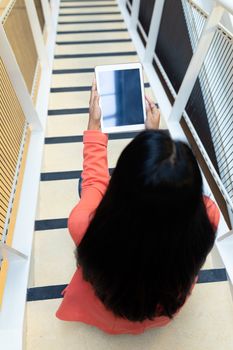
(125, 258)
(150, 234)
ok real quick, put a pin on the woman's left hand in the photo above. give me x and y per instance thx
(152, 115)
(94, 109)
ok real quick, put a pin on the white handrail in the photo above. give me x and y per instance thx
(18, 82)
(227, 4)
(10, 253)
(195, 64)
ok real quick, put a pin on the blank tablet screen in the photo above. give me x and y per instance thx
(121, 97)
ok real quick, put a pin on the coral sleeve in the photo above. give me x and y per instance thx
(95, 179)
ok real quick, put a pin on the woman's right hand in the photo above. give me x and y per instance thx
(152, 115)
(94, 109)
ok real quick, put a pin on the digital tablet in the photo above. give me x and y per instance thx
(122, 99)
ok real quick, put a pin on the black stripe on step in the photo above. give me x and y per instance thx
(71, 89)
(79, 138)
(64, 175)
(89, 14)
(63, 139)
(73, 71)
(61, 175)
(68, 111)
(79, 88)
(54, 292)
(86, 6)
(86, 42)
(50, 224)
(79, 70)
(45, 293)
(101, 54)
(212, 275)
(89, 22)
(93, 31)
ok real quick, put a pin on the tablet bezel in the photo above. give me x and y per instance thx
(127, 66)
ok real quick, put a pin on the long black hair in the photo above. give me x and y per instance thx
(150, 235)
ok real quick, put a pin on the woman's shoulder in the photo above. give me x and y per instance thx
(212, 211)
(78, 223)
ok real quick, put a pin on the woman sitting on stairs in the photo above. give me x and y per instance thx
(142, 235)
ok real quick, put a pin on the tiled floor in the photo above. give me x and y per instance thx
(206, 322)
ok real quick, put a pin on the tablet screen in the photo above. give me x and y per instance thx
(121, 97)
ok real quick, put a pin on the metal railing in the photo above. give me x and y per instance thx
(216, 79)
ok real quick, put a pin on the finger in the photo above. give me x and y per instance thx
(96, 100)
(94, 84)
(148, 109)
(156, 116)
(155, 110)
(149, 114)
(155, 105)
(93, 90)
(149, 100)
(148, 105)
(152, 103)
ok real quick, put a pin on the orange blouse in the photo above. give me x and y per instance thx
(80, 302)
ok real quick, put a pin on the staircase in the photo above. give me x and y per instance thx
(90, 33)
